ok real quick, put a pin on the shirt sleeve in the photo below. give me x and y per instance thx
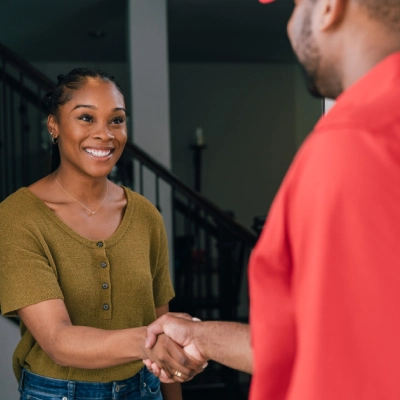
(26, 276)
(163, 291)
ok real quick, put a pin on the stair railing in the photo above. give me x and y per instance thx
(24, 140)
(211, 249)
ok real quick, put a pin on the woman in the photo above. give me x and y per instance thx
(84, 262)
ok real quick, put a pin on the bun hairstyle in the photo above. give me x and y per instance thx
(74, 80)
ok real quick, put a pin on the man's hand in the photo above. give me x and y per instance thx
(180, 328)
(227, 343)
(170, 358)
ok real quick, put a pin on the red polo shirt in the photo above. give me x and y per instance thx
(325, 274)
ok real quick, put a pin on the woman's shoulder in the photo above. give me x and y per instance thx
(17, 201)
(19, 213)
(141, 205)
(22, 203)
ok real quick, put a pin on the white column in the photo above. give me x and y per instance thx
(148, 56)
(328, 104)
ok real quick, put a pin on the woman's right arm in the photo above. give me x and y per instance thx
(91, 348)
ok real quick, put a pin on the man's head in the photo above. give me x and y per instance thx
(337, 41)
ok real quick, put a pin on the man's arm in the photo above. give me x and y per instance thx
(227, 343)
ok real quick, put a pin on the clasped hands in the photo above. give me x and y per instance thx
(171, 348)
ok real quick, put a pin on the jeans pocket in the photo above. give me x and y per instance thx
(28, 394)
(153, 388)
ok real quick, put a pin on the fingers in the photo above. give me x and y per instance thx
(148, 364)
(170, 357)
(164, 378)
(156, 369)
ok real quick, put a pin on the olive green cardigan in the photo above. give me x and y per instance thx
(112, 284)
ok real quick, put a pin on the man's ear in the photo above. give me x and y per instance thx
(331, 13)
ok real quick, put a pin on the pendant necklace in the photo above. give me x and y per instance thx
(73, 198)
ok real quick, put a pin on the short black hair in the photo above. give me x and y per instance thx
(74, 80)
(386, 12)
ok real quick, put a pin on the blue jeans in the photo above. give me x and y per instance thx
(143, 386)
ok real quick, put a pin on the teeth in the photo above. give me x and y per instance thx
(98, 153)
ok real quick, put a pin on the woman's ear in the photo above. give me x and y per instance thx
(52, 125)
(331, 13)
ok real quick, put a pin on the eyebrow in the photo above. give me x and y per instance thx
(95, 108)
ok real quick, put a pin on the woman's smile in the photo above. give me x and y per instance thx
(99, 153)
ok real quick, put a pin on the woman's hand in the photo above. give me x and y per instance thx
(175, 325)
(171, 362)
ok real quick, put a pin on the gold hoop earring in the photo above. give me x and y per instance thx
(54, 140)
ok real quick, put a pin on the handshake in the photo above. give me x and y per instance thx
(178, 346)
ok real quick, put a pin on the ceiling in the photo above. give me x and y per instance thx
(198, 30)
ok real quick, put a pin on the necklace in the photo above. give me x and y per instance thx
(73, 198)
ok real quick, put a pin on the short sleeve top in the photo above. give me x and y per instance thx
(115, 283)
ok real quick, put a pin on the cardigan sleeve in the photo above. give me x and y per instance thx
(26, 274)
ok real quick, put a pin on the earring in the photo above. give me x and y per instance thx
(54, 140)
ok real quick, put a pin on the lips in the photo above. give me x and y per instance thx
(99, 153)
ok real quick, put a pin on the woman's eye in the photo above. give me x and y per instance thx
(86, 117)
(118, 120)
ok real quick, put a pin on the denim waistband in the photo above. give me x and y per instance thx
(84, 390)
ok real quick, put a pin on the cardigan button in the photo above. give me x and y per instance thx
(103, 264)
(106, 307)
(99, 244)
(105, 286)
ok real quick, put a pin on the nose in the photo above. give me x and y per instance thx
(103, 133)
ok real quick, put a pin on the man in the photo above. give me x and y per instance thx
(325, 274)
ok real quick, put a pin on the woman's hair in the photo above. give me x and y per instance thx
(74, 80)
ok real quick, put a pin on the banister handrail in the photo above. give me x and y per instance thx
(223, 218)
(27, 69)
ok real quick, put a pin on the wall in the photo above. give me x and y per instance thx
(253, 116)
(9, 337)
(308, 108)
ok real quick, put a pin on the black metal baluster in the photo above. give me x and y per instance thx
(208, 267)
(13, 147)
(189, 295)
(141, 178)
(158, 193)
(198, 271)
(26, 143)
(3, 136)
(22, 144)
(175, 261)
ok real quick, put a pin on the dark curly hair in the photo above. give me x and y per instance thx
(74, 80)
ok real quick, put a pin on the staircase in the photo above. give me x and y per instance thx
(211, 249)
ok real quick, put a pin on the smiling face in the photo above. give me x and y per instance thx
(91, 128)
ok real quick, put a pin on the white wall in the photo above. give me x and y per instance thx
(9, 338)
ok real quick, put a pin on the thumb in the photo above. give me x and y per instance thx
(151, 339)
(152, 331)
